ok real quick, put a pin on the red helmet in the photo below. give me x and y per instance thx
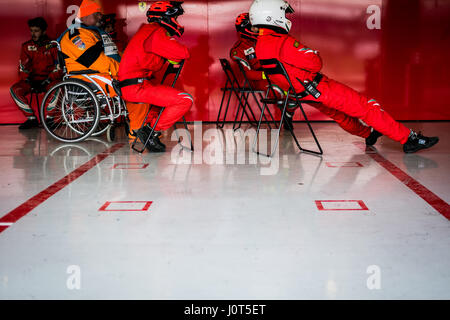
(244, 27)
(166, 13)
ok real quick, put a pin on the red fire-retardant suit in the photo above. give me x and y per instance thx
(38, 68)
(245, 49)
(147, 53)
(340, 102)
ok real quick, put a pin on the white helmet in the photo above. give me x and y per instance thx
(270, 13)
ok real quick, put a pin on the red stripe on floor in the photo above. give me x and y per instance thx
(22, 210)
(433, 200)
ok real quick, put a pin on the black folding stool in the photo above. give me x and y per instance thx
(272, 67)
(171, 69)
(232, 86)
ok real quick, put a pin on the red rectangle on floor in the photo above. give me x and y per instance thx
(126, 206)
(347, 205)
(130, 166)
(343, 164)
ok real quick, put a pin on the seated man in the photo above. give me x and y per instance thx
(145, 54)
(88, 48)
(38, 70)
(303, 65)
(245, 50)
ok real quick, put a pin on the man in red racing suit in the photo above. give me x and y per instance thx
(244, 49)
(150, 48)
(337, 100)
(38, 69)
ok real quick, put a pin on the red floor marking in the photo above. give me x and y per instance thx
(22, 210)
(128, 166)
(145, 208)
(360, 202)
(343, 164)
(432, 199)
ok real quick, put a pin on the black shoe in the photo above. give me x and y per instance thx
(153, 144)
(287, 121)
(417, 141)
(373, 137)
(156, 135)
(142, 134)
(30, 123)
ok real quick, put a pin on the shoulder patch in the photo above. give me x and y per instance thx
(249, 51)
(296, 44)
(79, 43)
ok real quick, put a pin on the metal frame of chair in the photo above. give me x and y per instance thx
(275, 67)
(247, 90)
(232, 86)
(171, 69)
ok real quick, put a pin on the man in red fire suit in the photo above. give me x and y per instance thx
(146, 53)
(38, 70)
(244, 49)
(303, 65)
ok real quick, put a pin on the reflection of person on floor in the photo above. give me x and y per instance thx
(346, 106)
(38, 70)
(146, 53)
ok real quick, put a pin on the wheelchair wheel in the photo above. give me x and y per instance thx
(69, 111)
(104, 118)
(111, 133)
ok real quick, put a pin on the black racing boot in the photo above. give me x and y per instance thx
(417, 141)
(156, 135)
(154, 144)
(373, 137)
(30, 123)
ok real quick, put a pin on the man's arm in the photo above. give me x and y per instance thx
(300, 56)
(241, 58)
(165, 46)
(24, 63)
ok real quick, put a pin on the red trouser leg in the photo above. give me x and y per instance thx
(338, 96)
(19, 92)
(176, 102)
(349, 124)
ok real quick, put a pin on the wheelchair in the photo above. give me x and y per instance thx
(79, 107)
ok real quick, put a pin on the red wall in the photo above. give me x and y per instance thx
(404, 64)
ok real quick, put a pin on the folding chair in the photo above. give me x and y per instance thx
(171, 69)
(275, 67)
(248, 89)
(232, 86)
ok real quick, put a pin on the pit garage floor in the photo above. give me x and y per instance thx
(96, 220)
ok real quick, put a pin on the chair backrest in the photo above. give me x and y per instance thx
(275, 67)
(231, 77)
(173, 69)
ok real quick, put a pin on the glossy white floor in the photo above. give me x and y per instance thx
(224, 231)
